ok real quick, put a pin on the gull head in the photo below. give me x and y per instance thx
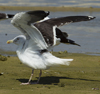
(18, 40)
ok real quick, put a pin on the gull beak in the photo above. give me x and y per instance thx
(9, 41)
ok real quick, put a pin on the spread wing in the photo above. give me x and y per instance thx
(44, 33)
(49, 28)
(69, 19)
(38, 15)
(23, 21)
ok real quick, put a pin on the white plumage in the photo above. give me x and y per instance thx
(30, 54)
(32, 49)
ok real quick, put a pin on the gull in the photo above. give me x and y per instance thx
(40, 34)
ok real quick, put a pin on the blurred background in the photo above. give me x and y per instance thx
(72, 3)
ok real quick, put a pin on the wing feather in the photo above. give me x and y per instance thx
(69, 19)
(43, 32)
(33, 34)
(48, 27)
(23, 22)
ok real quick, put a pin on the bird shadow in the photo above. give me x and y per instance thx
(54, 80)
(44, 80)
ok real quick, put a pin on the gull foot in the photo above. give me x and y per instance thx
(29, 83)
(25, 83)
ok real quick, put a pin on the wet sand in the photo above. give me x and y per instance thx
(81, 77)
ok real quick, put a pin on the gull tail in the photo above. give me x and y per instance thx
(54, 61)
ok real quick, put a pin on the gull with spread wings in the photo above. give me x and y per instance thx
(40, 33)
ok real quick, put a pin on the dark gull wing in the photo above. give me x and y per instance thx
(49, 28)
(69, 19)
(64, 37)
(47, 32)
(37, 15)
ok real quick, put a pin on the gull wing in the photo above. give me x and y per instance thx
(69, 19)
(4, 16)
(49, 28)
(23, 21)
(38, 15)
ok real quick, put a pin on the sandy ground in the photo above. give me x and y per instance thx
(75, 9)
(81, 77)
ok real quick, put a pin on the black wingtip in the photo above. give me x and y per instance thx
(38, 12)
(5, 16)
(10, 15)
(91, 17)
(76, 44)
(48, 12)
(73, 42)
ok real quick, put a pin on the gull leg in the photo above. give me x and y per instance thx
(29, 82)
(31, 76)
(29, 79)
(39, 76)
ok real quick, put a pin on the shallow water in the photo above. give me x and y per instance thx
(87, 33)
(72, 3)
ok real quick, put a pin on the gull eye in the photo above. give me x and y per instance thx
(17, 38)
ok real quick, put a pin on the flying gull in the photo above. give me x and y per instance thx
(39, 35)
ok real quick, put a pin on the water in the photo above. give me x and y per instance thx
(87, 33)
(74, 3)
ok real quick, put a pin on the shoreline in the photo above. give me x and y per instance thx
(58, 53)
(82, 76)
(62, 8)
